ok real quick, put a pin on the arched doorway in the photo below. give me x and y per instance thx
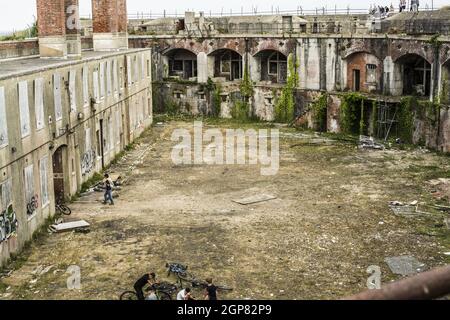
(182, 63)
(58, 173)
(227, 64)
(363, 72)
(273, 66)
(416, 75)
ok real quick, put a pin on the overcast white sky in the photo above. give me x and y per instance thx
(17, 14)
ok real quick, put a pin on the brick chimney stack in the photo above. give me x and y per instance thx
(123, 23)
(51, 21)
(108, 24)
(73, 26)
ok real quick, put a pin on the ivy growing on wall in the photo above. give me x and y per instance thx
(352, 105)
(246, 86)
(319, 112)
(405, 118)
(285, 105)
(374, 117)
(241, 107)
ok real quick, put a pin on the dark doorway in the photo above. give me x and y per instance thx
(58, 174)
(356, 80)
(182, 64)
(416, 75)
(228, 64)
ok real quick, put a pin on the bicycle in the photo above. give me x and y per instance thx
(163, 291)
(63, 209)
(184, 276)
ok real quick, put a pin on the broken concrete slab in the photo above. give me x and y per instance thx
(70, 226)
(369, 143)
(255, 199)
(405, 265)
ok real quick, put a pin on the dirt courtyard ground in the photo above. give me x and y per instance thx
(329, 223)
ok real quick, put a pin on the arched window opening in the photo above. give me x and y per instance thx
(182, 64)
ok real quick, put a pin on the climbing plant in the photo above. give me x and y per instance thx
(352, 105)
(374, 117)
(241, 107)
(405, 118)
(285, 105)
(246, 86)
(240, 110)
(319, 112)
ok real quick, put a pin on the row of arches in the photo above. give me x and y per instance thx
(228, 64)
(410, 74)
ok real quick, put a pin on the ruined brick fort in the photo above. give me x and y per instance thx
(73, 99)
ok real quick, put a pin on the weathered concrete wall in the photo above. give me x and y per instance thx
(52, 108)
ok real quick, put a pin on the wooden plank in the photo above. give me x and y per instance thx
(255, 199)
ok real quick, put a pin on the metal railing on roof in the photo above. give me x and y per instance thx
(255, 12)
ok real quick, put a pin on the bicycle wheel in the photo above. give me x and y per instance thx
(164, 296)
(185, 276)
(65, 210)
(224, 288)
(129, 295)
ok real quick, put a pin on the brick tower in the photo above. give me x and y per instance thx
(52, 28)
(108, 24)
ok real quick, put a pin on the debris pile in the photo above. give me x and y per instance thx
(440, 188)
(405, 265)
(369, 143)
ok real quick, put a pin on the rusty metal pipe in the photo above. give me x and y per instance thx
(425, 286)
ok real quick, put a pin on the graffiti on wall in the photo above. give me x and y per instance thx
(33, 205)
(88, 162)
(8, 224)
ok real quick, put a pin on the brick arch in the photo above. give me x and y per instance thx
(221, 49)
(399, 58)
(401, 48)
(188, 44)
(283, 46)
(169, 50)
(348, 53)
(269, 50)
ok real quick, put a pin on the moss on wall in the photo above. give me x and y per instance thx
(319, 112)
(352, 113)
(285, 104)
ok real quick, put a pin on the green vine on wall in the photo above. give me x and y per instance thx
(285, 105)
(241, 107)
(405, 118)
(319, 112)
(352, 105)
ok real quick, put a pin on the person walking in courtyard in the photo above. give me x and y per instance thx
(108, 184)
(211, 290)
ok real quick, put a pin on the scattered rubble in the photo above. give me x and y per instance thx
(405, 265)
(440, 188)
(369, 143)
